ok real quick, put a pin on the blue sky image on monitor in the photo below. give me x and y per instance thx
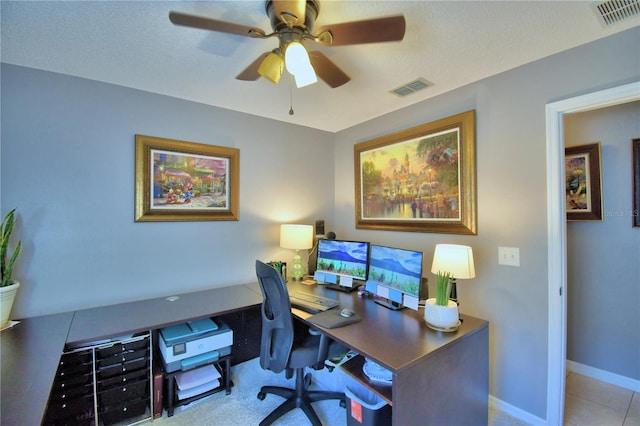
(343, 258)
(396, 268)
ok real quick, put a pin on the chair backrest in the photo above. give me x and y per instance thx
(277, 323)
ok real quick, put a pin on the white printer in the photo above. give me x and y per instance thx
(193, 344)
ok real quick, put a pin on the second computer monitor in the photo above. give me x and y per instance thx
(395, 274)
(343, 258)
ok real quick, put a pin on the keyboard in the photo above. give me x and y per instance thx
(312, 303)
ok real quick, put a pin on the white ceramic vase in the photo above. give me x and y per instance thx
(441, 317)
(7, 295)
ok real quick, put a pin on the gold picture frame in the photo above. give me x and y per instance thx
(422, 179)
(583, 182)
(184, 181)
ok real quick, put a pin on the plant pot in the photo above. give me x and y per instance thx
(7, 295)
(441, 318)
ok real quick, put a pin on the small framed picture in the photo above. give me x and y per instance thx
(583, 183)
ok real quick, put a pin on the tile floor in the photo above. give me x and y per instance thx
(589, 402)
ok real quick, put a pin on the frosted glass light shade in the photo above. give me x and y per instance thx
(298, 64)
(455, 259)
(271, 67)
(296, 237)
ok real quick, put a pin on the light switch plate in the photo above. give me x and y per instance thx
(509, 256)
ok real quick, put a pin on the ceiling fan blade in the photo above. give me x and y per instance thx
(327, 70)
(250, 73)
(193, 21)
(290, 12)
(368, 31)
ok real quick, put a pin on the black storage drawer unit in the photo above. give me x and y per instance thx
(67, 411)
(103, 384)
(121, 394)
(118, 370)
(130, 409)
(123, 379)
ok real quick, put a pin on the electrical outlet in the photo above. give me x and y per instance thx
(509, 256)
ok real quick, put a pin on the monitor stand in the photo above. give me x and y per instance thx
(387, 304)
(338, 287)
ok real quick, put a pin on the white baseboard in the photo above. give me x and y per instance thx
(515, 411)
(604, 376)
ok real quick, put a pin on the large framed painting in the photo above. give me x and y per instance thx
(583, 183)
(422, 179)
(635, 155)
(185, 181)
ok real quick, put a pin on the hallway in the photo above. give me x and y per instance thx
(589, 402)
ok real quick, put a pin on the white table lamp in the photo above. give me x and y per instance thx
(296, 237)
(455, 259)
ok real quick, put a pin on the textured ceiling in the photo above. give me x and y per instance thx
(448, 43)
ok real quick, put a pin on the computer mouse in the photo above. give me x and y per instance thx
(346, 312)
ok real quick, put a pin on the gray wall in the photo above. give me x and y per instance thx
(603, 268)
(512, 199)
(67, 164)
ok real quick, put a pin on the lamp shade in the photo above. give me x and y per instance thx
(298, 64)
(271, 67)
(296, 237)
(455, 259)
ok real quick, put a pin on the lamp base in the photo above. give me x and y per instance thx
(298, 272)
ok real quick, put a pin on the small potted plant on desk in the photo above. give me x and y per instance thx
(441, 313)
(8, 287)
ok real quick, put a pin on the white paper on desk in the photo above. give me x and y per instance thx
(410, 302)
(346, 281)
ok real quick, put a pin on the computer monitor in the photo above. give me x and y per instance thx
(394, 276)
(341, 261)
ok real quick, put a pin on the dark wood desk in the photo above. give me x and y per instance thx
(114, 320)
(31, 351)
(30, 355)
(438, 378)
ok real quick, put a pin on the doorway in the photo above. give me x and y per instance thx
(556, 234)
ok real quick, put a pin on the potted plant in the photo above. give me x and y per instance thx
(8, 286)
(441, 313)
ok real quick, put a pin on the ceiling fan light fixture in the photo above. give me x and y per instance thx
(305, 78)
(271, 67)
(298, 64)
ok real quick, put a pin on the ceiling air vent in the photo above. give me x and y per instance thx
(613, 11)
(411, 87)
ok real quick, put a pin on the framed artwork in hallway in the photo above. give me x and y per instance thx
(583, 182)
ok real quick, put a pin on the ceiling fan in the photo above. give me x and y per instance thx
(292, 23)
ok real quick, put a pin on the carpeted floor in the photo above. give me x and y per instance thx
(243, 408)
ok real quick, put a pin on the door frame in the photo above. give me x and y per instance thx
(557, 233)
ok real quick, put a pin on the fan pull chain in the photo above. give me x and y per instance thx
(291, 96)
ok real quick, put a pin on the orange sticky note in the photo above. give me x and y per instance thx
(356, 411)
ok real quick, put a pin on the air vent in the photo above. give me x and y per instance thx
(613, 11)
(411, 87)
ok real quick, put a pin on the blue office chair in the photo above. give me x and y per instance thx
(285, 347)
